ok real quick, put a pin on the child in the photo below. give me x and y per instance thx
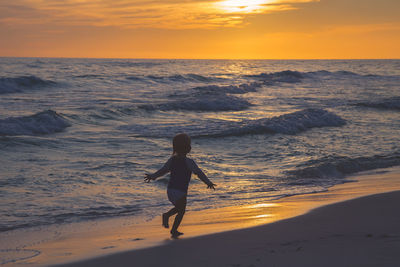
(180, 168)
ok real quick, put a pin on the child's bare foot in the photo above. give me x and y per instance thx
(165, 220)
(175, 234)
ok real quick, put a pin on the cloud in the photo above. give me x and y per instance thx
(170, 14)
(364, 28)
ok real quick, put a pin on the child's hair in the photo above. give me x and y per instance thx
(181, 144)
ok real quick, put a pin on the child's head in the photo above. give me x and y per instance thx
(181, 144)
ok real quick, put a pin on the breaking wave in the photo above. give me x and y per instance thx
(45, 122)
(291, 123)
(91, 213)
(207, 98)
(22, 83)
(202, 103)
(339, 167)
(388, 103)
(289, 76)
(286, 76)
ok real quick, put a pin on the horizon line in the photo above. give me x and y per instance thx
(155, 58)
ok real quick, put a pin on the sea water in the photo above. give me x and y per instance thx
(78, 135)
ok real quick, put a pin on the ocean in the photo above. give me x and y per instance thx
(78, 135)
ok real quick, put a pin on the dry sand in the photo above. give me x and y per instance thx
(358, 232)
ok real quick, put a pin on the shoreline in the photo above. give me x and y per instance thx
(340, 234)
(79, 242)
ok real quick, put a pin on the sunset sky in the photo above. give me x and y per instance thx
(252, 29)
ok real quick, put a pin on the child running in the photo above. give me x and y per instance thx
(180, 168)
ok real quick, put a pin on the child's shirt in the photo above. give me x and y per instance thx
(181, 169)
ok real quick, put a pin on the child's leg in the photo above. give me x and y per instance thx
(165, 216)
(181, 208)
(171, 212)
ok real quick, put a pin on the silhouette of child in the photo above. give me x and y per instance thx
(180, 168)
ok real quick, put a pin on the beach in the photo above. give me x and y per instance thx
(360, 232)
(237, 133)
(311, 230)
(280, 138)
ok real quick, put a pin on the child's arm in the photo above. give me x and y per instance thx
(164, 170)
(196, 170)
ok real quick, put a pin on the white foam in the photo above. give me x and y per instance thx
(339, 167)
(45, 122)
(202, 103)
(291, 123)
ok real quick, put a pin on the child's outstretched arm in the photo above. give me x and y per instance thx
(196, 170)
(164, 170)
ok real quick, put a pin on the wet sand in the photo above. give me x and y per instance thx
(355, 232)
(359, 232)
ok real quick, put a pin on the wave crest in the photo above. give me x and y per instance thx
(90, 213)
(339, 167)
(290, 76)
(228, 89)
(190, 77)
(45, 122)
(287, 76)
(291, 123)
(22, 83)
(202, 103)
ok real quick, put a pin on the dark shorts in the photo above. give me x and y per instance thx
(174, 195)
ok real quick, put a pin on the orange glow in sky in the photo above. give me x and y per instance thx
(259, 29)
(240, 6)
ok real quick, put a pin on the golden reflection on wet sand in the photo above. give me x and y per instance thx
(64, 243)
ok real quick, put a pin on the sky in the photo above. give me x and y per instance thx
(211, 29)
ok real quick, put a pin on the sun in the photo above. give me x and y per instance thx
(243, 6)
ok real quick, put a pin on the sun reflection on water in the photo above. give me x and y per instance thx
(263, 216)
(264, 205)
